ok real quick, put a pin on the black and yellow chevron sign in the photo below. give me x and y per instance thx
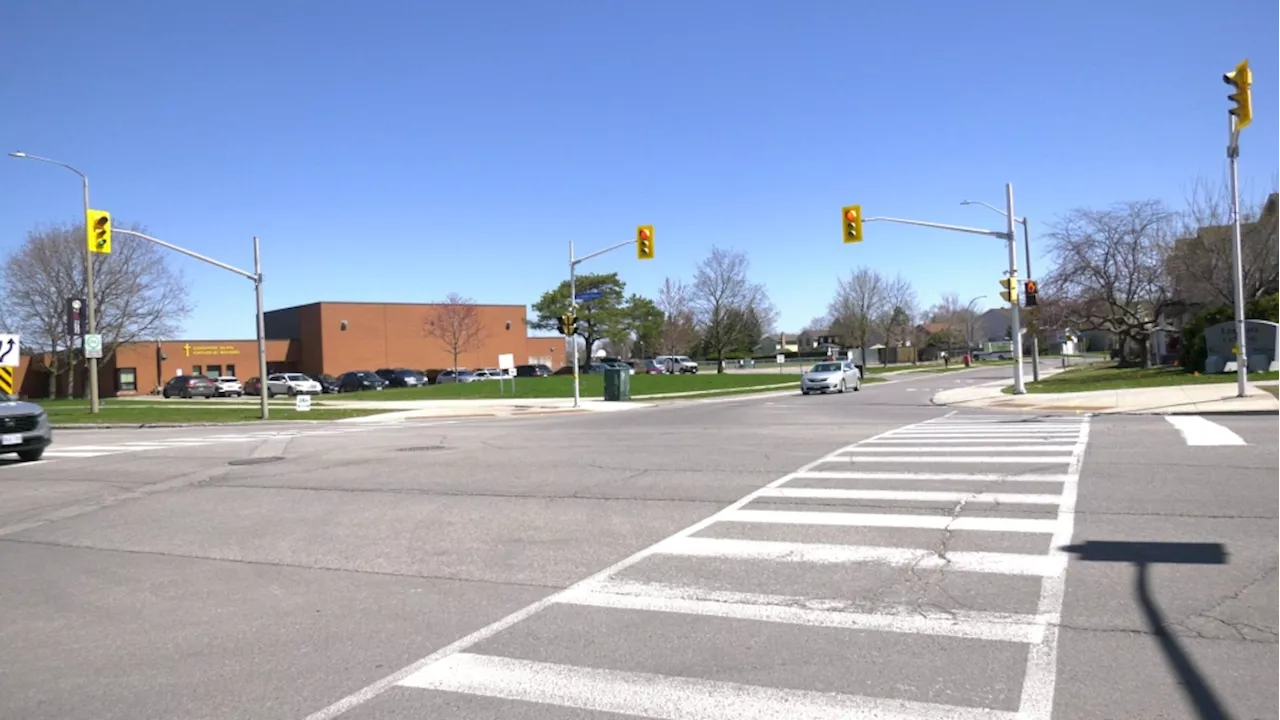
(6, 380)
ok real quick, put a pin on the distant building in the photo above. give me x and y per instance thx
(322, 337)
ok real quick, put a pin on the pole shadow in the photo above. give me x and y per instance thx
(1142, 555)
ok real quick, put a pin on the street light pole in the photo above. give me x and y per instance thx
(1237, 266)
(1026, 240)
(1019, 387)
(92, 301)
(573, 305)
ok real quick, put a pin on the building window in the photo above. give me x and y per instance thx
(127, 379)
(195, 370)
(213, 371)
(231, 371)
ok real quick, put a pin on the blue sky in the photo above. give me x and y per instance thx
(400, 151)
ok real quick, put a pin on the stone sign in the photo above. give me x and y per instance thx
(1260, 342)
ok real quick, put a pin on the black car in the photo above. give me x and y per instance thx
(328, 383)
(533, 370)
(402, 377)
(190, 386)
(358, 380)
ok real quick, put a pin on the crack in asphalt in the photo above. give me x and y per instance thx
(269, 563)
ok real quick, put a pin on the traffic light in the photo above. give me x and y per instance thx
(644, 242)
(567, 324)
(1010, 292)
(1029, 289)
(1242, 80)
(98, 228)
(851, 219)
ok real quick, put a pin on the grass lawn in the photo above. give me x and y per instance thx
(1109, 377)
(562, 386)
(132, 412)
(1272, 389)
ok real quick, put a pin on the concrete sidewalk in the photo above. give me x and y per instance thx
(1175, 399)
(512, 407)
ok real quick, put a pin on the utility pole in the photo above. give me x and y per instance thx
(1238, 117)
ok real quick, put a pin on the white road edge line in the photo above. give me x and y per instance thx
(1042, 660)
(378, 687)
(665, 697)
(1200, 432)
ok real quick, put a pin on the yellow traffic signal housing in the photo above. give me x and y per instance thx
(567, 324)
(1010, 292)
(851, 220)
(1242, 80)
(98, 228)
(644, 242)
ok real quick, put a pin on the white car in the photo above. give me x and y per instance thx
(228, 386)
(831, 376)
(291, 384)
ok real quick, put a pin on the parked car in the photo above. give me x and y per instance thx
(253, 386)
(455, 376)
(401, 377)
(538, 370)
(328, 383)
(228, 386)
(358, 380)
(24, 428)
(837, 375)
(190, 386)
(653, 367)
(291, 384)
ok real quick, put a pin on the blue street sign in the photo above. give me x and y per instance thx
(586, 295)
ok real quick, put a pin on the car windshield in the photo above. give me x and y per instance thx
(295, 377)
(826, 367)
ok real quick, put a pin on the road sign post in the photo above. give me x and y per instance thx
(1238, 117)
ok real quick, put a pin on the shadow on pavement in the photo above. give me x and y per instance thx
(1142, 555)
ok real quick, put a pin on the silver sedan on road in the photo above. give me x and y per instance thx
(837, 375)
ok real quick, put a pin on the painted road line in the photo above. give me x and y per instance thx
(983, 459)
(664, 697)
(913, 495)
(1199, 432)
(811, 612)
(996, 563)
(916, 439)
(1042, 659)
(929, 522)
(972, 448)
(921, 477)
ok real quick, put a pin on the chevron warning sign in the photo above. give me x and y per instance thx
(6, 380)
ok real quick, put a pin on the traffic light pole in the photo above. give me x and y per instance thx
(1237, 265)
(1009, 236)
(573, 308)
(1035, 336)
(255, 276)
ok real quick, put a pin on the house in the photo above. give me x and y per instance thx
(775, 344)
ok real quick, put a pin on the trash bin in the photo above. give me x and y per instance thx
(617, 384)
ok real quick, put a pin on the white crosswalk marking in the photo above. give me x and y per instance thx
(1200, 431)
(92, 451)
(934, 486)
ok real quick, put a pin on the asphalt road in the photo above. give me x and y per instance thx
(865, 555)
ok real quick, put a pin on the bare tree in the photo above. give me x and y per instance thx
(138, 295)
(679, 326)
(727, 304)
(1201, 261)
(858, 306)
(896, 313)
(457, 324)
(1112, 269)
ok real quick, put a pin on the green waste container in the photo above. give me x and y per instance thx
(617, 384)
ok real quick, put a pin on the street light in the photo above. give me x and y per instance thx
(88, 275)
(1026, 241)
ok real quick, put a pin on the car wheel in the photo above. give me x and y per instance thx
(804, 392)
(166, 394)
(841, 389)
(30, 455)
(857, 385)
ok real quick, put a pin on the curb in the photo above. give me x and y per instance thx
(140, 426)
